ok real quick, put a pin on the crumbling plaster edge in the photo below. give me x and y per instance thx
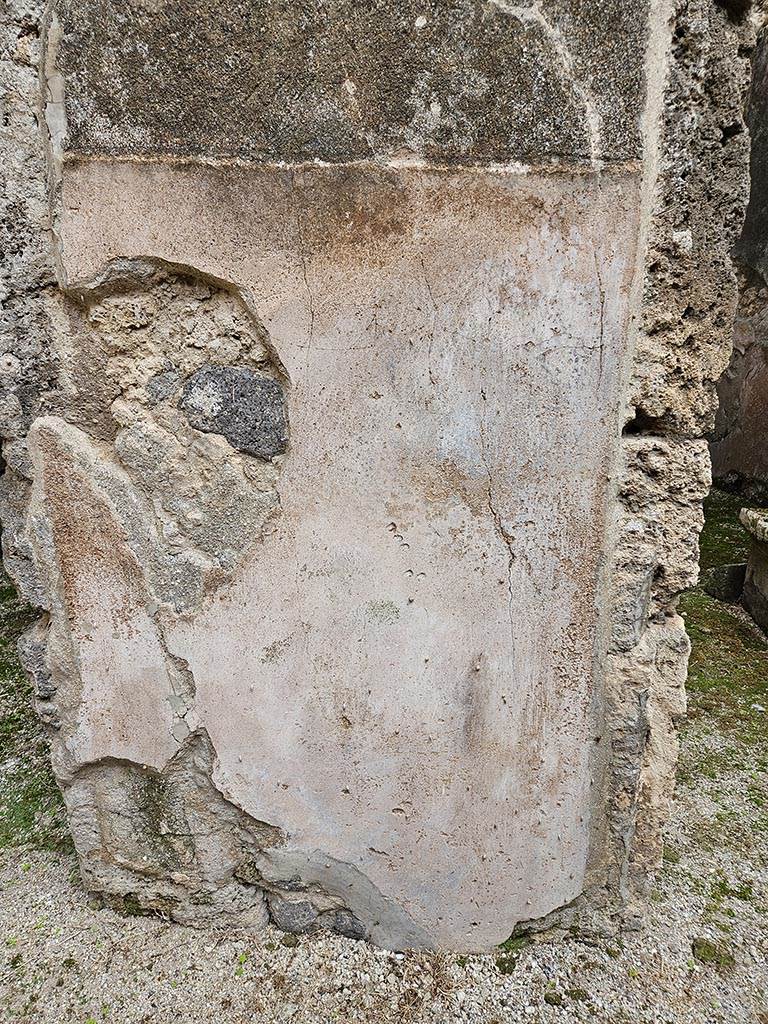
(133, 268)
(602, 847)
(661, 25)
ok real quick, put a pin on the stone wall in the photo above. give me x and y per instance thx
(360, 465)
(684, 344)
(739, 442)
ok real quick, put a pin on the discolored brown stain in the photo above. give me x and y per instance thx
(364, 207)
(91, 547)
(445, 482)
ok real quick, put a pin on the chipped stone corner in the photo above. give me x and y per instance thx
(166, 841)
(169, 842)
(683, 346)
(91, 380)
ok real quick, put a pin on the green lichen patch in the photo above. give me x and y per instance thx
(31, 809)
(723, 889)
(729, 832)
(670, 854)
(511, 951)
(714, 954)
(161, 834)
(553, 999)
(578, 995)
(383, 612)
(515, 944)
(724, 753)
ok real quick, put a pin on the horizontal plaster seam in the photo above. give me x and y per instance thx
(514, 168)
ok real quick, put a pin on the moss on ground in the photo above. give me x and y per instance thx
(724, 541)
(713, 953)
(728, 670)
(727, 733)
(31, 811)
(511, 951)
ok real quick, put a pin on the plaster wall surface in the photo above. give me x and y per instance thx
(400, 674)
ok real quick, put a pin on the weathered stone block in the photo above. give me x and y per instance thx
(363, 467)
(755, 594)
(739, 441)
(725, 582)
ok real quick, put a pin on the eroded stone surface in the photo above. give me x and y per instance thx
(690, 284)
(417, 676)
(684, 343)
(458, 81)
(739, 441)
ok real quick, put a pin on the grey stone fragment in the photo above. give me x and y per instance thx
(32, 652)
(292, 915)
(755, 593)
(345, 923)
(162, 386)
(246, 407)
(300, 916)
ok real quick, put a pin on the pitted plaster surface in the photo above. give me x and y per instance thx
(400, 675)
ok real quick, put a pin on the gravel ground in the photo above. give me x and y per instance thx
(702, 958)
(64, 961)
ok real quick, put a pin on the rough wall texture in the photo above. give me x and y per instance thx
(456, 81)
(739, 441)
(359, 605)
(378, 671)
(684, 343)
(27, 279)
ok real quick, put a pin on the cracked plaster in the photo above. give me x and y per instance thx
(418, 678)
